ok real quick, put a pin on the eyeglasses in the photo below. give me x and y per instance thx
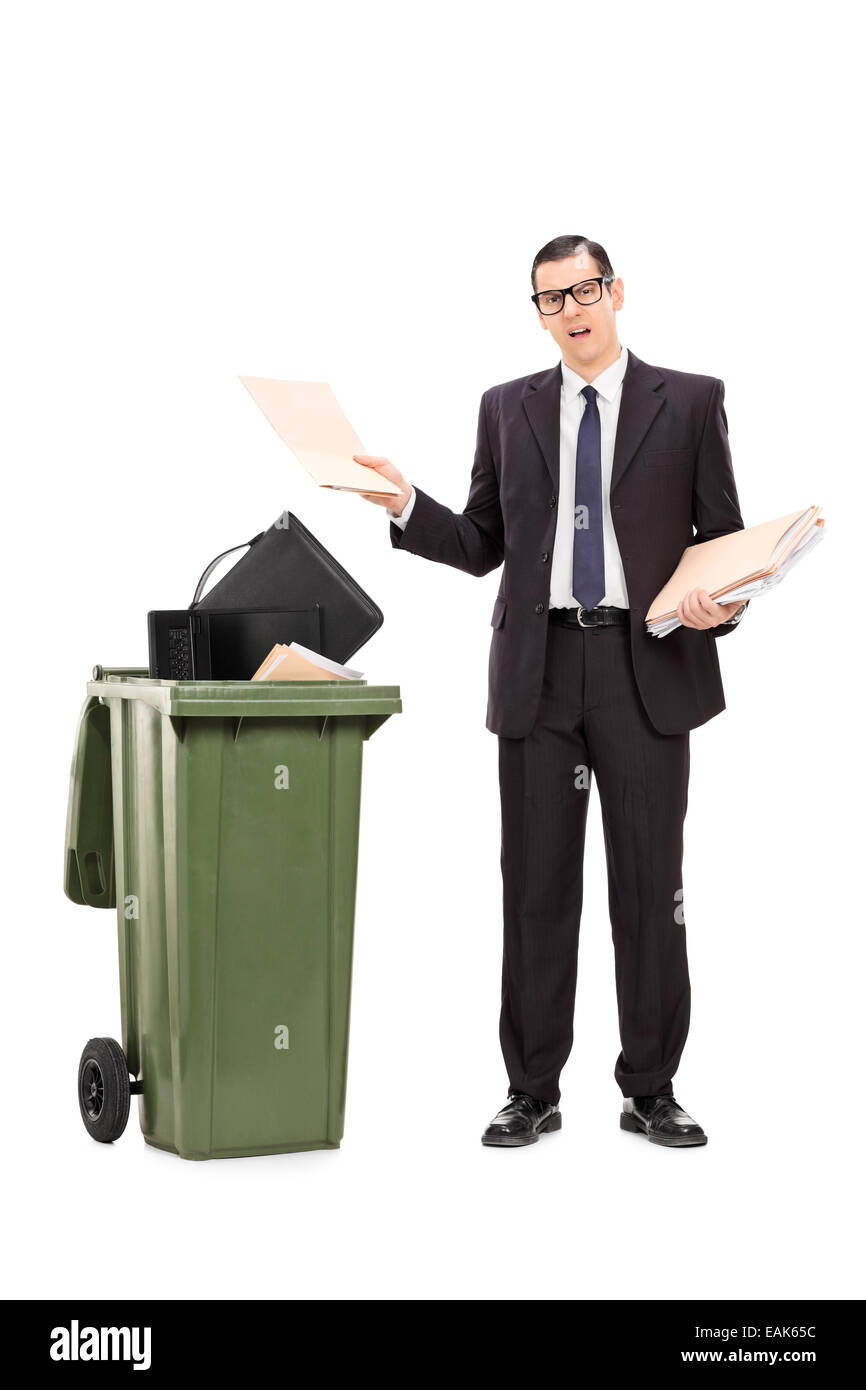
(585, 292)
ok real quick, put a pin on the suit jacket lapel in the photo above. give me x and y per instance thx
(541, 403)
(642, 399)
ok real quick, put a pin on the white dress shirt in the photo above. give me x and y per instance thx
(571, 407)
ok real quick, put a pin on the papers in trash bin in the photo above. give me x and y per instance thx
(298, 663)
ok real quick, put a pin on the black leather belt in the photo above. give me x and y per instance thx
(588, 617)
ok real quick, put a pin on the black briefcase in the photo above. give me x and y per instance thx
(287, 580)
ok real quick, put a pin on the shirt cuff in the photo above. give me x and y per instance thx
(732, 622)
(402, 519)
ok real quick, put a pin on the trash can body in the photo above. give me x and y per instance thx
(235, 849)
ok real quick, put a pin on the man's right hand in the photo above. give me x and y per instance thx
(387, 470)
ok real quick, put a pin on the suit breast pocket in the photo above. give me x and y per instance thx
(499, 608)
(668, 458)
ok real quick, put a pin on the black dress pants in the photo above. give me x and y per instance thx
(591, 726)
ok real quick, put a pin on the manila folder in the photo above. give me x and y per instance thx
(307, 417)
(729, 561)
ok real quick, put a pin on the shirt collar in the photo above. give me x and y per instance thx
(607, 384)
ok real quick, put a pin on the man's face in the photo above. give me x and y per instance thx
(587, 353)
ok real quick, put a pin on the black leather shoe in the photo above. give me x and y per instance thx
(662, 1121)
(521, 1121)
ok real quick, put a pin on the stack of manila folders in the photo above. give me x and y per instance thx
(297, 663)
(737, 567)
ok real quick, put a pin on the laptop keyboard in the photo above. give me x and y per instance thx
(179, 654)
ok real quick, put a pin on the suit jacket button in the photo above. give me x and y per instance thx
(552, 502)
(539, 608)
(545, 556)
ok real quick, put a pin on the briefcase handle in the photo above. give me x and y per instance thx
(213, 564)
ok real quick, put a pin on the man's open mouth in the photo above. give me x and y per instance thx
(578, 332)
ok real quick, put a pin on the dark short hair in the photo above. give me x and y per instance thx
(562, 248)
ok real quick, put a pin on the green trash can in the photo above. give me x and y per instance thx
(221, 820)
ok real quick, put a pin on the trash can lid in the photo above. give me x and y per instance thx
(236, 699)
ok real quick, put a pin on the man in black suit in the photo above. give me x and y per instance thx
(589, 481)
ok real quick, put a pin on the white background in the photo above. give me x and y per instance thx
(356, 193)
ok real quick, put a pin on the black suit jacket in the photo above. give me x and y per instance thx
(672, 486)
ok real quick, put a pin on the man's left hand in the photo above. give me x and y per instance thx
(697, 609)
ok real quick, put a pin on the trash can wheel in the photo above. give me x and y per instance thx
(103, 1090)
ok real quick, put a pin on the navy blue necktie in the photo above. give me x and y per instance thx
(587, 583)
